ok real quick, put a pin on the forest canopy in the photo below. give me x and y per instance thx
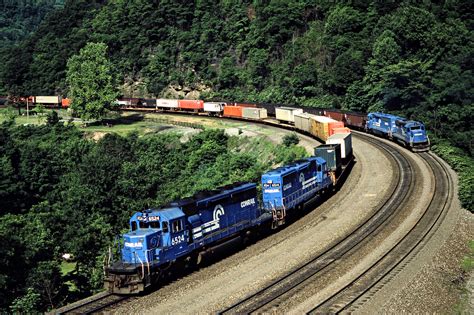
(411, 58)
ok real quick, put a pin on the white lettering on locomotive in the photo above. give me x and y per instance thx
(287, 186)
(133, 244)
(246, 203)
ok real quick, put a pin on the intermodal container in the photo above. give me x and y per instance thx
(302, 121)
(148, 102)
(286, 114)
(331, 153)
(214, 107)
(65, 102)
(123, 102)
(341, 130)
(233, 111)
(195, 105)
(51, 100)
(166, 103)
(323, 127)
(254, 113)
(345, 141)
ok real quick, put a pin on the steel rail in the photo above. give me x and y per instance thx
(92, 304)
(268, 298)
(383, 270)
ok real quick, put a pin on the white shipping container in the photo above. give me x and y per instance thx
(47, 99)
(254, 113)
(287, 113)
(302, 121)
(166, 103)
(345, 140)
(214, 107)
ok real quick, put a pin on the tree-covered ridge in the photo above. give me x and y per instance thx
(409, 57)
(63, 193)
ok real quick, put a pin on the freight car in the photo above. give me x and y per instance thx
(183, 230)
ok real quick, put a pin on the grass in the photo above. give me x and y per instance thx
(67, 267)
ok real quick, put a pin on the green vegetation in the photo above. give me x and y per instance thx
(62, 193)
(410, 58)
(290, 139)
(91, 85)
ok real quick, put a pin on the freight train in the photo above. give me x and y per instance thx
(321, 123)
(183, 230)
(411, 134)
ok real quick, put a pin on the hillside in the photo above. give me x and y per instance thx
(404, 57)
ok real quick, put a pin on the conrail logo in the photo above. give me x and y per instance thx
(247, 203)
(133, 244)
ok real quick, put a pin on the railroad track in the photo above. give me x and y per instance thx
(93, 304)
(270, 297)
(349, 298)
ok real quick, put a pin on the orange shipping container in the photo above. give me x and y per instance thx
(334, 125)
(341, 130)
(233, 111)
(191, 104)
(245, 105)
(65, 102)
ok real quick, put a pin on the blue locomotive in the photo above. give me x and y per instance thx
(410, 133)
(182, 230)
(289, 187)
(159, 237)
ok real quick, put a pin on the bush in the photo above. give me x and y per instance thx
(290, 139)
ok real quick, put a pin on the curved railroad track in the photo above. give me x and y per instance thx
(360, 289)
(269, 298)
(93, 304)
(348, 298)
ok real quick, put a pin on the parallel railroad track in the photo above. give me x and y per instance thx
(269, 298)
(349, 298)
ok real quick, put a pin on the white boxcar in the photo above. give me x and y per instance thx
(254, 113)
(47, 100)
(287, 113)
(166, 103)
(345, 140)
(214, 107)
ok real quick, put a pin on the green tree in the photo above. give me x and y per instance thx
(91, 84)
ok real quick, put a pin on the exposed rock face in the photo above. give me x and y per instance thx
(187, 92)
(174, 91)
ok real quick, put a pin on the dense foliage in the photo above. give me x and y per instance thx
(90, 81)
(62, 193)
(18, 19)
(408, 57)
